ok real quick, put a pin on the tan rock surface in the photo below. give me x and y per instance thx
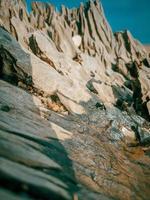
(74, 106)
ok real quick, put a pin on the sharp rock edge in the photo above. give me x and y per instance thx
(74, 105)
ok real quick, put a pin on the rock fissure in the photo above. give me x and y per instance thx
(74, 106)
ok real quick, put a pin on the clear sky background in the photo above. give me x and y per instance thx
(133, 15)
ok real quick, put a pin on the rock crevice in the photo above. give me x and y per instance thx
(74, 105)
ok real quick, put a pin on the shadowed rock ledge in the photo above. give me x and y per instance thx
(74, 106)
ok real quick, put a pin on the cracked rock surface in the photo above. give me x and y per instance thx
(74, 106)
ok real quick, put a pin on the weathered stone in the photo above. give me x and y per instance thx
(72, 100)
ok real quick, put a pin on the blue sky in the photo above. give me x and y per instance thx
(121, 14)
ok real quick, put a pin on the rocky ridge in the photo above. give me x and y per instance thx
(74, 105)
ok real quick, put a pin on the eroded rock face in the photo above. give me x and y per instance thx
(71, 38)
(74, 105)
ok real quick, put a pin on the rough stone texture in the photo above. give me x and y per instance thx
(74, 106)
(147, 47)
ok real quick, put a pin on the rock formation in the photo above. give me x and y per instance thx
(147, 47)
(74, 105)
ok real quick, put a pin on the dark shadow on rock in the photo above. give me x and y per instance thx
(123, 96)
(138, 104)
(90, 86)
(34, 163)
(133, 85)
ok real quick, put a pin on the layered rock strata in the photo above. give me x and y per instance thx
(74, 105)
